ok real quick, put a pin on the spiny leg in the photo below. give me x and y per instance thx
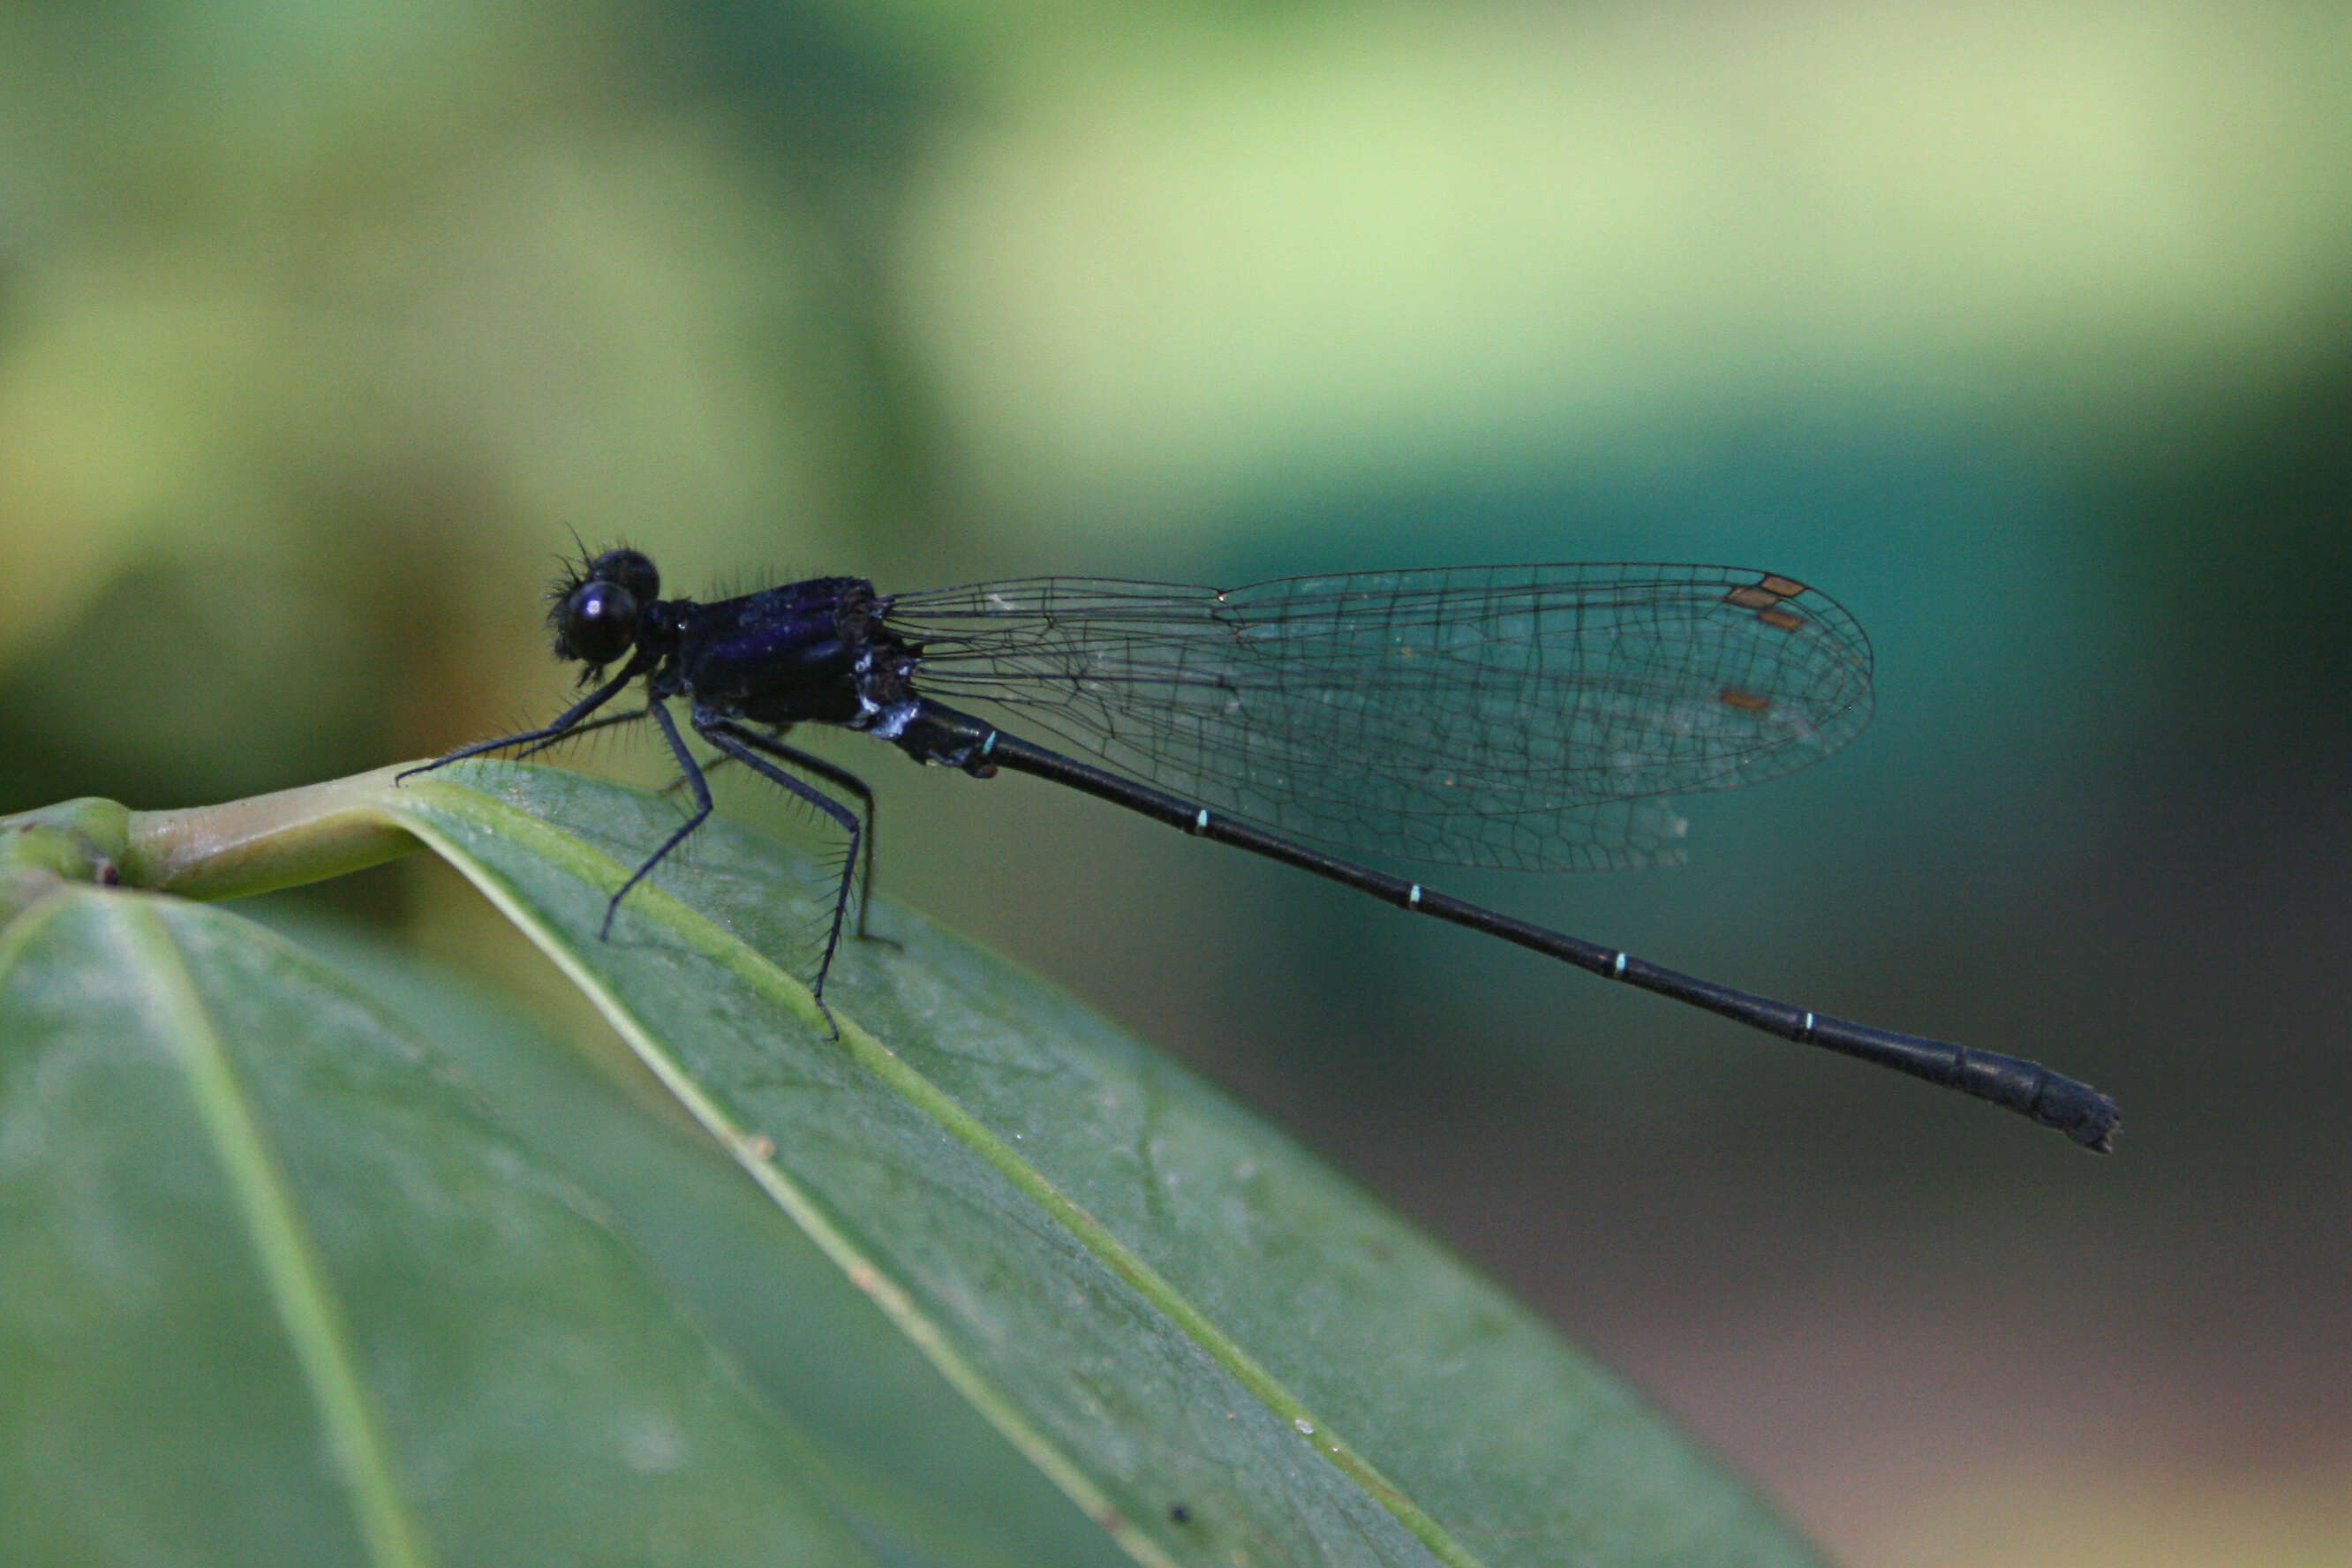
(533, 738)
(693, 770)
(613, 721)
(833, 772)
(609, 722)
(730, 739)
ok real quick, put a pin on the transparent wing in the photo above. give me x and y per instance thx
(1529, 717)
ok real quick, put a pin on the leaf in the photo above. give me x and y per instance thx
(277, 1292)
(1217, 1348)
(1001, 1210)
(887, 1439)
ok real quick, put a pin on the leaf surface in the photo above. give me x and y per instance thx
(1215, 1347)
(276, 1289)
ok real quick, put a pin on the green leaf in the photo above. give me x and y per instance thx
(882, 1434)
(992, 1245)
(1216, 1347)
(275, 1290)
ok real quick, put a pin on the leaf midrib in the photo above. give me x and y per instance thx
(296, 1279)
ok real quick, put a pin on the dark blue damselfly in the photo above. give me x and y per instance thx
(1535, 718)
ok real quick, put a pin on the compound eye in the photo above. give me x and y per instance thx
(632, 569)
(598, 623)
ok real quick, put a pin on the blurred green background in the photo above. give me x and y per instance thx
(2025, 332)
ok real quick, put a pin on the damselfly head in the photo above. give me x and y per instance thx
(595, 608)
